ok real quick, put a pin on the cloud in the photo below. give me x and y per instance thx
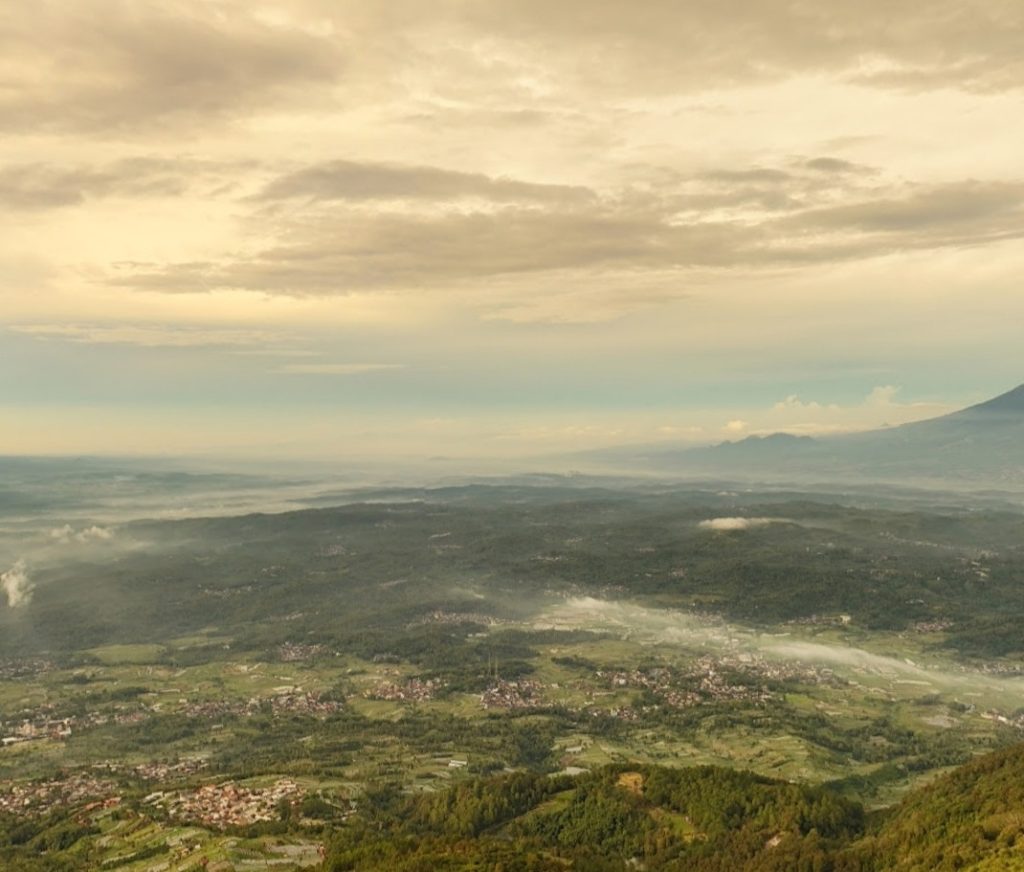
(833, 165)
(729, 525)
(329, 246)
(17, 585)
(881, 397)
(117, 68)
(353, 180)
(736, 426)
(813, 418)
(929, 216)
(793, 403)
(678, 46)
(341, 253)
(113, 67)
(67, 534)
(149, 336)
(38, 186)
(336, 368)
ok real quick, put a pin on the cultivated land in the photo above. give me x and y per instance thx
(232, 692)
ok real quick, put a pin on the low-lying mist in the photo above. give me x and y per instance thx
(652, 626)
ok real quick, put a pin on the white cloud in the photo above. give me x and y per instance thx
(16, 584)
(728, 525)
(793, 403)
(736, 426)
(814, 418)
(67, 534)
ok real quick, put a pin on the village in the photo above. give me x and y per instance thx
(286, 700)
(44, 723)
(39, 798)
(413, 690)
(520, 694)
(706, 680)
(228, 804)
(692, 688)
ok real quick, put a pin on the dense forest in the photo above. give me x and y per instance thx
(705, 819)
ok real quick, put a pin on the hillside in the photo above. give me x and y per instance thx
(972, 818)
(616, 818)
(705, 819)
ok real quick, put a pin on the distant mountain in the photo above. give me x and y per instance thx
(980, 446)
(1010, 403)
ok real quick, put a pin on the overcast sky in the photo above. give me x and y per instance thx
(329, 228)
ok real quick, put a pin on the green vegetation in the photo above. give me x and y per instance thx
(519, 678)
(352, 574)
(731, 822)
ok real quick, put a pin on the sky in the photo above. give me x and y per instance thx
(351, 228)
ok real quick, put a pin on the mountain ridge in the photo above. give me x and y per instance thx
(1010, 402)
(982, 444)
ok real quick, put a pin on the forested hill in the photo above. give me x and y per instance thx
(972, 818)
(705, 819)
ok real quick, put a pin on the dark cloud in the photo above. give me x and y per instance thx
(129, 65)
(352, 180)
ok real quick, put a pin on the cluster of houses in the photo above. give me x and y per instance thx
(708, 679)
(162, 771)
(38, 798)
(215, 709)
(413, 690)
(520, 694)
(286, 700)
(300, 702)
(29, 730)
(769, 670)
(228, 804)
(46, 723)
